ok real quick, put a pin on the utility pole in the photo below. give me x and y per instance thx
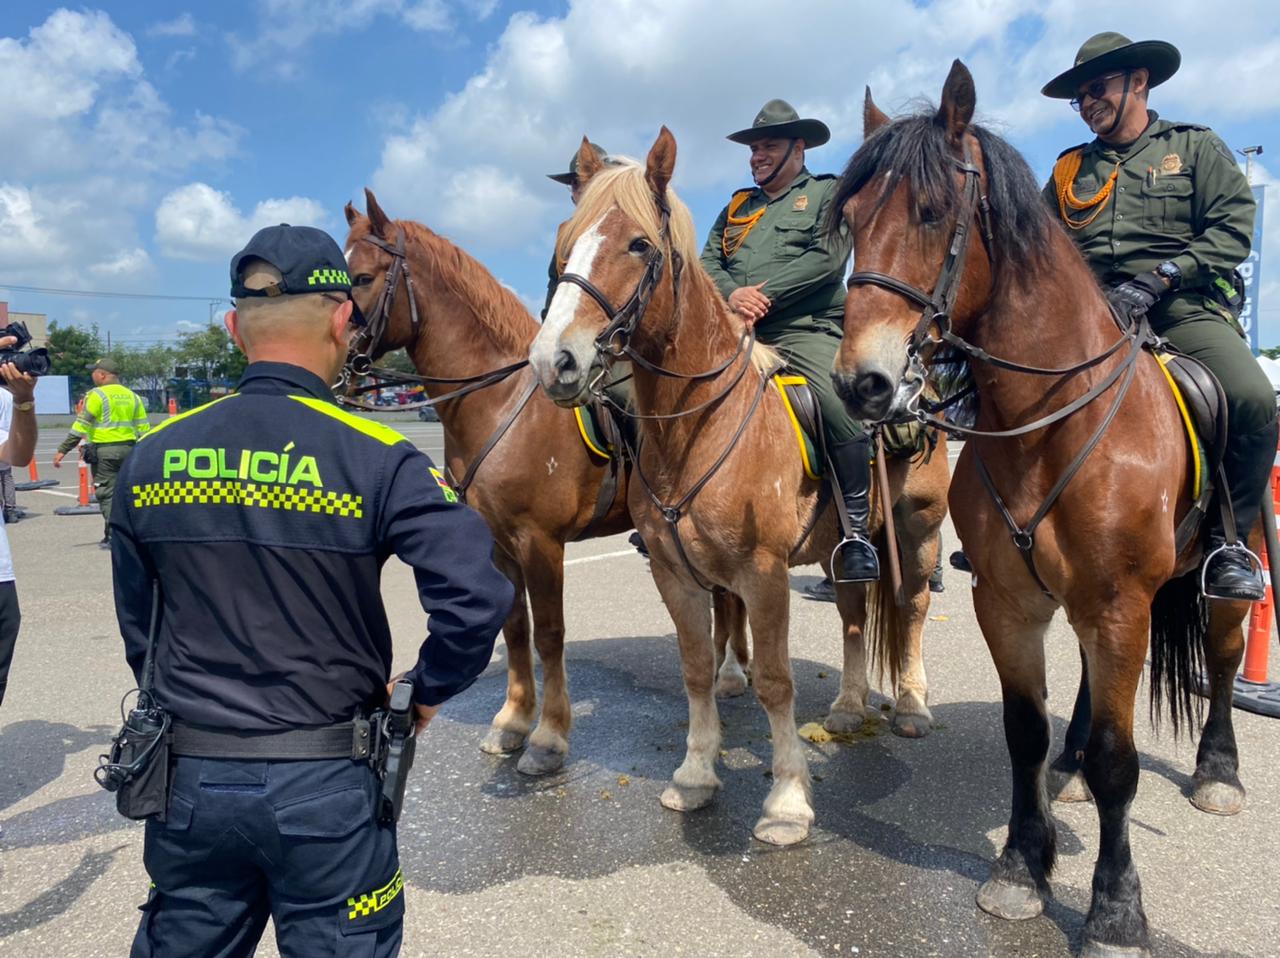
(1249, 152)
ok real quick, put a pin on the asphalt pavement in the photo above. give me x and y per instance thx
(587, 862)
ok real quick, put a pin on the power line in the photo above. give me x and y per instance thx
(100, 294)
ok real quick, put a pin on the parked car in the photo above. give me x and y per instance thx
(428, 414)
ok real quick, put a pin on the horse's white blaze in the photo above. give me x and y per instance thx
(346, 253)
(564, 304)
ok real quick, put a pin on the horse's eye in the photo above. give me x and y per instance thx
(639, 245)
(362, 279)
(928, 216)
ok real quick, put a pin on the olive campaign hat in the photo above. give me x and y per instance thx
(568, 178)
(778, 118)
(106, 364)
(1108, 52)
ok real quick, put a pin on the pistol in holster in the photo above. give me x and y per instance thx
(396, 746)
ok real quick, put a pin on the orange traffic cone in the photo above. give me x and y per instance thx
(1253, 692)
(82, 506)
(173, 406)
(36, 482)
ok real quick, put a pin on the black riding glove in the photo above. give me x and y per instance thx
(1134, 297)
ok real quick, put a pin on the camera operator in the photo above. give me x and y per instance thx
(17, 443)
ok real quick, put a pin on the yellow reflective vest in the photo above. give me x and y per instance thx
(112, 413)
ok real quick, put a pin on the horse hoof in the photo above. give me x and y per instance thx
(1218, 798)
(841, 723)
(1069, 787)
(911, 726)
(1098, 949)
(1010, 902)
(687, 798)
(501, 741)
(731, 686)
(781, 831)
(540, 760)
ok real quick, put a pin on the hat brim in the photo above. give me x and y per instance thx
(813, 132)
(1160, 59)
(565, 178)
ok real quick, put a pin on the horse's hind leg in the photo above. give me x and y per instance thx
(788, 808)
(549, 743)
(1019, 880)
(695, 782)
(1066, 774)
(515, 718)
(849, 710)
(1217, 788)
(730, 617)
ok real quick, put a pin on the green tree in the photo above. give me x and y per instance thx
(71, 350)
(1271, 352)
(210, 354)
(147, 371)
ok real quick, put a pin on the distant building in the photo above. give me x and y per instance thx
(37, 323)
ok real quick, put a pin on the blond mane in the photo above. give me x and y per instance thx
(625, 187)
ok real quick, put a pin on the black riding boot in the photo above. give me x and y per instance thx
(1230, 571)
(854, 559)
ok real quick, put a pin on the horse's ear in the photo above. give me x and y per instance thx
(872, 116)
(588, 163)
(379, 220)
(958, 100)
(661, 162)
(353, 214)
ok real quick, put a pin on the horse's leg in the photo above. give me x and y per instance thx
(1019, 880)
(515, 718)
(911, 715)
(730, 617)
(849, 710)
(695, 782)
(549, 743)
(1116, 649)
(788, 808)
(1217, 788)
(1066, 774)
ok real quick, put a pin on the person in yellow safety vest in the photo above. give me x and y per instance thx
(112, 420)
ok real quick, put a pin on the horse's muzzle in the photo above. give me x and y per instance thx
(566, 384)
(868, 394)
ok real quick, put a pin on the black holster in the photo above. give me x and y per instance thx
(90, 454)
(137, 769)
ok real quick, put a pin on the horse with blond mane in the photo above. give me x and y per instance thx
(719, 490)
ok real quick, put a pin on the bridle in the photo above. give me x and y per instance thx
(936, 313)
(365, 344)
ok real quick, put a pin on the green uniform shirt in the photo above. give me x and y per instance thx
(1179, 196)
(788, 250)
(112, 413)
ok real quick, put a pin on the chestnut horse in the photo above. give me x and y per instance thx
(719, 490)
(953, 242)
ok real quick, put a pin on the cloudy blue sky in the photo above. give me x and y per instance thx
(143, 142)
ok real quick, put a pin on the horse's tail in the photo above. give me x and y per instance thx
(1179, 627)
(886, 633)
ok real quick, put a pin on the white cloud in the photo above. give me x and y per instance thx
(26, 236)
(128, 262)
(181, 26)
(197, 222)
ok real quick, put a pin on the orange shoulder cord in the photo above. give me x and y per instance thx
(1064, 175)
(736, 228)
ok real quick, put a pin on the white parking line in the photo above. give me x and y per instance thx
(603, 555)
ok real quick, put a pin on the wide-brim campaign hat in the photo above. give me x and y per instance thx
(568, 178)
(1107, 52)
(778, 118)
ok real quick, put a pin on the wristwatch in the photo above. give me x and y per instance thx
(1168, 270)
(24, 406)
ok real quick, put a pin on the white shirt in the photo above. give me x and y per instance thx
(6, 419)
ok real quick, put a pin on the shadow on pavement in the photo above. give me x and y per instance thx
(59, 899)
(34, 752)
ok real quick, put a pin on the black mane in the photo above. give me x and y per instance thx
(915, 148)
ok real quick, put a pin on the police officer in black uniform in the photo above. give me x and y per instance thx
(266, 517)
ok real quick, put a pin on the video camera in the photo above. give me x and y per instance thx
(35, 361)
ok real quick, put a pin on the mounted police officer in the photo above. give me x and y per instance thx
(112, 420)
(263, 520)
(771, 258)
(570, 179)
(1163, 215)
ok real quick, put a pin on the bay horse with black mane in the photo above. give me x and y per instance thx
(1070, 491)
(719, 490)
(519, 458)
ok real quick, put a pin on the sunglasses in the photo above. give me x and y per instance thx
(357, 317)
(1095, 90)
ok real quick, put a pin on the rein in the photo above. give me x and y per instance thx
(936, 310)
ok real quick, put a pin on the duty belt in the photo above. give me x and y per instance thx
(352, 740)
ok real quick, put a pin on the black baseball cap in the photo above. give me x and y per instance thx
(308, 259)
